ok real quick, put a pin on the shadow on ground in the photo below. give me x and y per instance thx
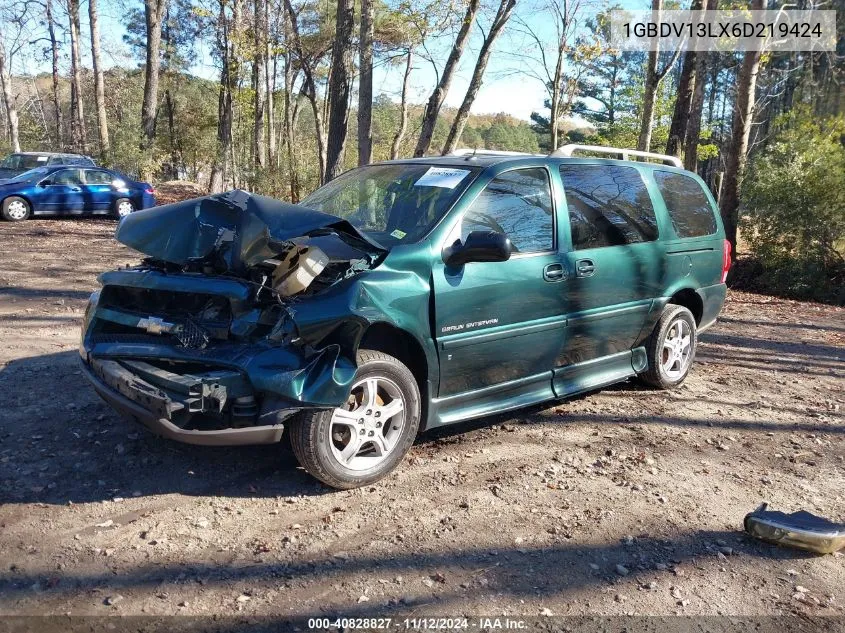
(60, 443)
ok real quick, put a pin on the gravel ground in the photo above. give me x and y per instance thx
(624, 501)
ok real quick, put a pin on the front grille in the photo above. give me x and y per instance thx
(192, 335)
(166, 303)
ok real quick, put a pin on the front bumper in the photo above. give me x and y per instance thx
(148, 405)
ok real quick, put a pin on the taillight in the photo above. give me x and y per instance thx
(150, 191)
(726, 261)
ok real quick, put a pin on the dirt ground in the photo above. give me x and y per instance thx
(625, 501)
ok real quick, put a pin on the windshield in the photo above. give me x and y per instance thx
(23, 161)
(393, 204)
(31, 175)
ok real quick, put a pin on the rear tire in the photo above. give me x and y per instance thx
(365, 439)
(15, 209)
(123, 207)
(671, 348)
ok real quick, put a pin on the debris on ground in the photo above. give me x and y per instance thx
(799, 529)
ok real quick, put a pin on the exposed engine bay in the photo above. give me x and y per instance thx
(203, 333)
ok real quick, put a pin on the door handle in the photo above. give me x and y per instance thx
(554, 272)
(585, 268)
(74, 189)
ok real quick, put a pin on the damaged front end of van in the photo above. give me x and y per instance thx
(245, 311)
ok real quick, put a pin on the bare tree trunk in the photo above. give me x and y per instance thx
(502, 17)
(681, 112)
(735, 160)
(403, 109)
(653, 77)
(308, 89)
(9, 100)
(270, 87)
(221, 170)
(259, 84)
(57, 104)
(77, 115)
(554, 117)
(153, 13)
(365, 84)
(435, 102)
(339, 88)
(99, 87)
(175, 159)
(289, 127)
(696, 108)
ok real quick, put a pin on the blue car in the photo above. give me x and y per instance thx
(62, 190)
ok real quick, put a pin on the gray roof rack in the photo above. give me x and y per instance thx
(625, 154)
(468, 151)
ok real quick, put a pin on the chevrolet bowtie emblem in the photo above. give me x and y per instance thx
(154, 325)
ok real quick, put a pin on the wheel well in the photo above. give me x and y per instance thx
(389, 339)
(17, 195)
(691, 301)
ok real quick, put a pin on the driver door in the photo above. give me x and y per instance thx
(503, 323)
(61, 192)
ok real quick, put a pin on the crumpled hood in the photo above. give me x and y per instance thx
(246, 228)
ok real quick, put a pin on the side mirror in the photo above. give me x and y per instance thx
(480, 246)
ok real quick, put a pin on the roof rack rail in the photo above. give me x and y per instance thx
(469, 151)
(568, 150)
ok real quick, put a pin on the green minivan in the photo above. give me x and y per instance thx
(404, 296)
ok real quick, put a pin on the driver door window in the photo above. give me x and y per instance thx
(517, 203)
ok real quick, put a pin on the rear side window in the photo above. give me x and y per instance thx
(608, 206)
(688, 206)
(517, 203)
(97, 177)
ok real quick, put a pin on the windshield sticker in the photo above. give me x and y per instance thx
(445, 177)
(398, 234)
(42, 159)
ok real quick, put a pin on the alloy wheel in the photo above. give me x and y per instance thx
(677, 349)
(367, 429)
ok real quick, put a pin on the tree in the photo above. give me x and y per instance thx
(259, 83)
(794, 206)
(99, 88)
(153, 14)
(308, 56)
(696, 108)
(403, 107)
(606, 70)
(365, 83)
(227, 49)
(653, 77)
(438, 96)
(339, 88)
(77, 116)
(502, 16)
(683, 101)
(54, 55)
(551, 53)
(735, 158)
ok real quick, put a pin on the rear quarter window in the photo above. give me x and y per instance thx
(688, 206)
(608, 206)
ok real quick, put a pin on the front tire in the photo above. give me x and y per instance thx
(15, 209)
(671, 348)
(123, 207)
(362, 441)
